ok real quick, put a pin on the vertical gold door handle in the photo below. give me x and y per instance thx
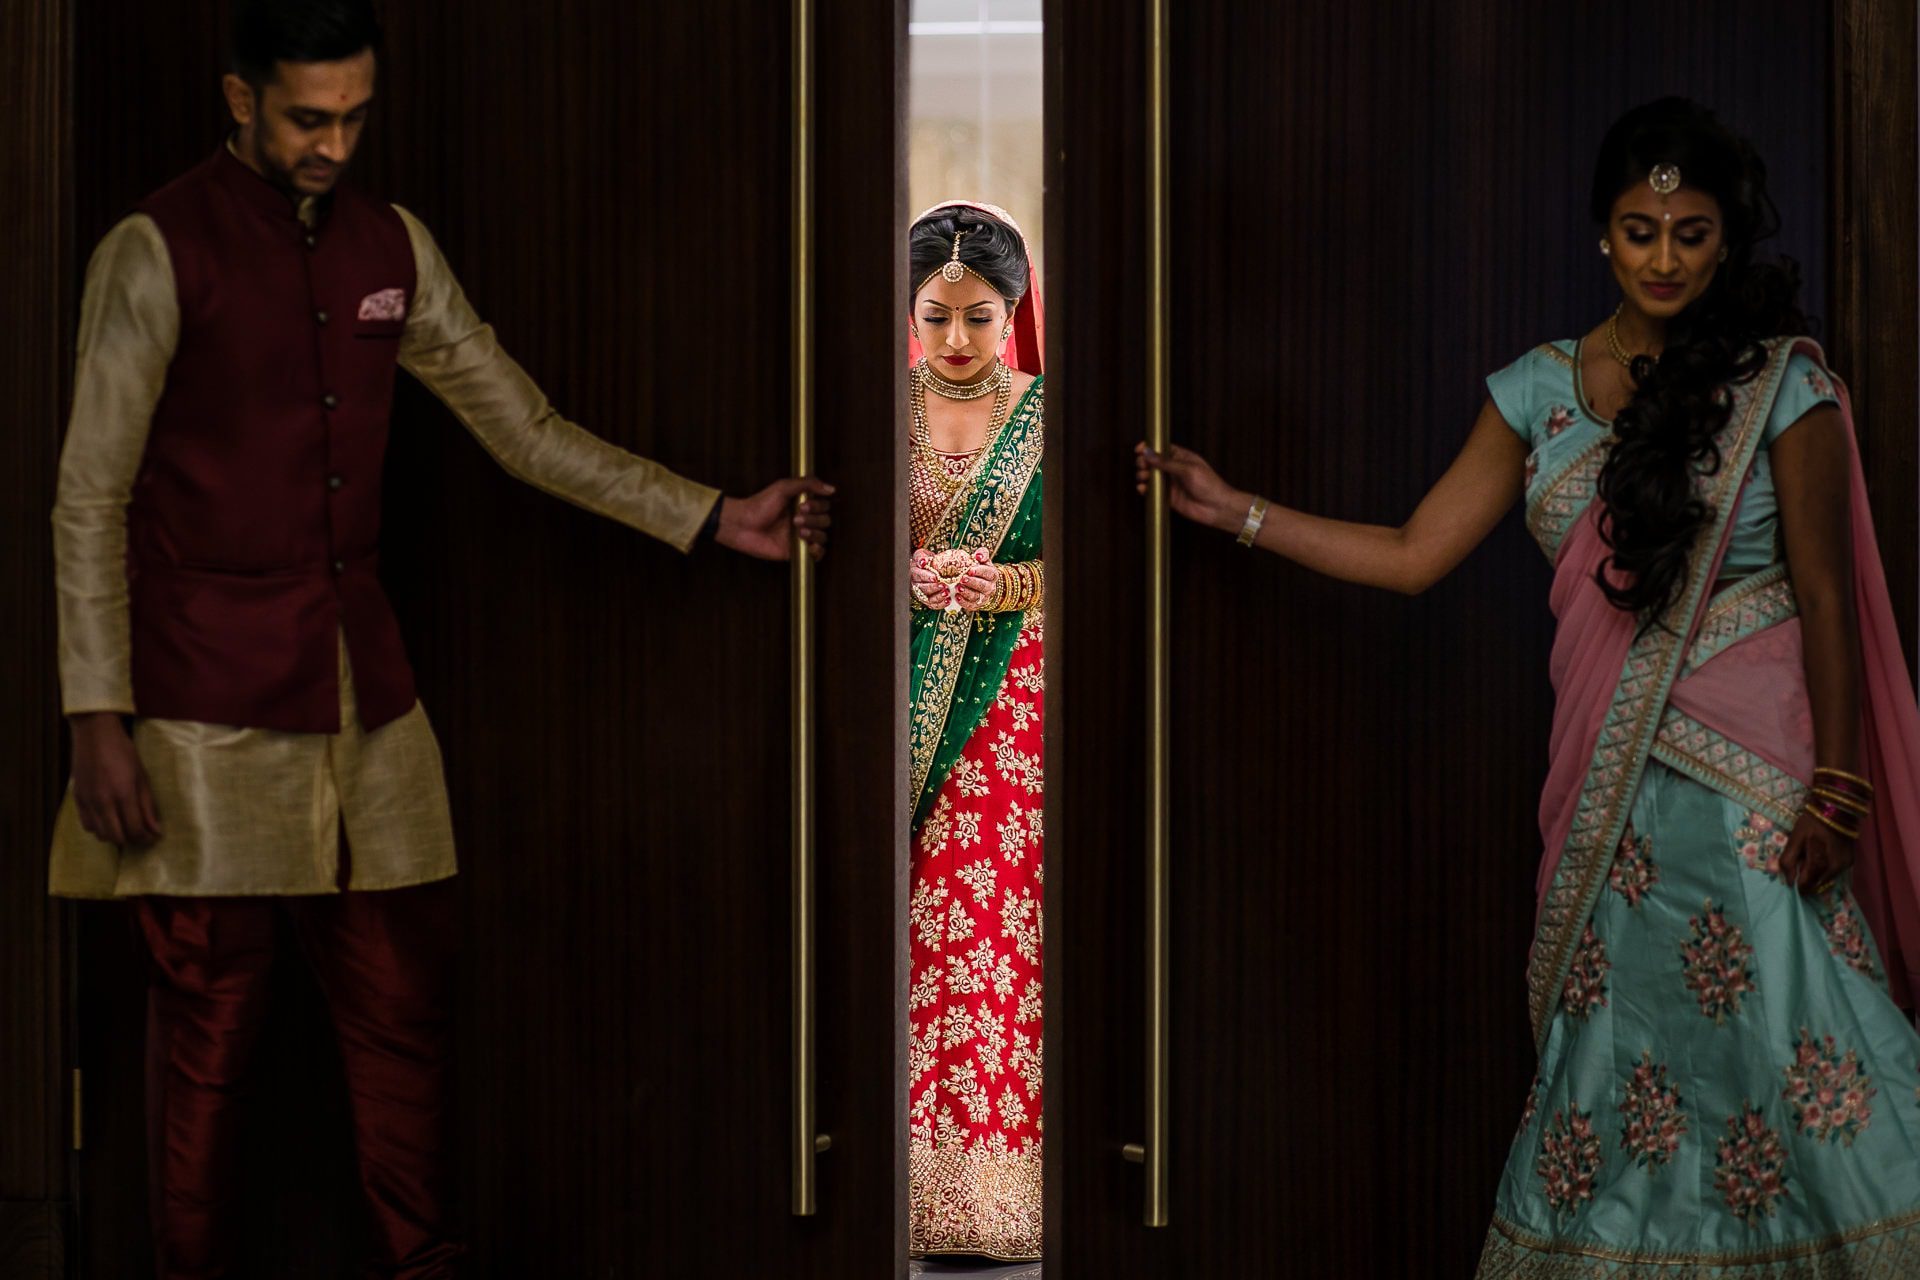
(806, 1141)
(1152, 1153)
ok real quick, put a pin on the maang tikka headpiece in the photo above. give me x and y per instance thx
(1665, 179)
(953, 271)
(954, 268)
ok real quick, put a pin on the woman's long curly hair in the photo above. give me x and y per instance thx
(1651, 515)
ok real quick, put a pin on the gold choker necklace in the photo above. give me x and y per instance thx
(1614, 346)
(947, 389)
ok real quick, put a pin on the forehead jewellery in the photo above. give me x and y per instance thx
(953, 271)
(1665, 180)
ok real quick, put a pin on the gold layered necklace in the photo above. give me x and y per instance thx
(932, 461)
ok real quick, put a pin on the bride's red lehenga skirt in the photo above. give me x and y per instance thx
(974, 1003)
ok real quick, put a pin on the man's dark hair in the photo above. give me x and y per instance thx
(268, 32)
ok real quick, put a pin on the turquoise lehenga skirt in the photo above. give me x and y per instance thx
(1726, 1088)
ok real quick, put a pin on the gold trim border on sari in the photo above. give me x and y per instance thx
(992, 504)
(1562, 498)
(1887, 1248)
(1634, 717)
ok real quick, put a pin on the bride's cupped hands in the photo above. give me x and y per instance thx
(971, 590)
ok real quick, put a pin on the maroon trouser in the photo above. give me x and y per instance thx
(383, 963)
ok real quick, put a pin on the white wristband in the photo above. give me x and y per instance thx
(1256, 515)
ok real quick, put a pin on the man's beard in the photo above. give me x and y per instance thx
(279, 175)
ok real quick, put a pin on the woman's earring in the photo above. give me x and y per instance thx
(1006, 333)
(1606, 248)
(1723, 253)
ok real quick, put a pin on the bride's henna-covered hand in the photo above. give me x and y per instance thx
(976, 589)
(925, 584)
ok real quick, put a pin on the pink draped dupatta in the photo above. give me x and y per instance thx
(1726, 700)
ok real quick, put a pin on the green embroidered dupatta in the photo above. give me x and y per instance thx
(960, 659)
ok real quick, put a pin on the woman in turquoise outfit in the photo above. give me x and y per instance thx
(1727, 919)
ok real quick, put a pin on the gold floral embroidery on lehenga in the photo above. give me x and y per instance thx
(975, 998)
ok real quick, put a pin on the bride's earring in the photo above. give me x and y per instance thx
(1606, 248)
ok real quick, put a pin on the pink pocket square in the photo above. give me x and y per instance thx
(388, 304)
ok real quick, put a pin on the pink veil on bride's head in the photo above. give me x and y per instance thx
(1027, 348)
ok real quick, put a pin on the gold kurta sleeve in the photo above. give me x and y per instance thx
(448, 347)
(129, 323)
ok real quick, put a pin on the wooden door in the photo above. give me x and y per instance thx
(612, 184)
(1372, 207)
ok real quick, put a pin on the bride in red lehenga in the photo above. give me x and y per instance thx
(977, 582)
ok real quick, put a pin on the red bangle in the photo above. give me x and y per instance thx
(1831, 815)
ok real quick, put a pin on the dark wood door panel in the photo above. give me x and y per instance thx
(612, 185)
(1372, 208)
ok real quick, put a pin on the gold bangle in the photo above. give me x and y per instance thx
(1825, 821)
(1844, 776)
(1256, 515)
(1025, 584)
(1852, 804)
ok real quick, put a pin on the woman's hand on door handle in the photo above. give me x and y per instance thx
(1194, 489)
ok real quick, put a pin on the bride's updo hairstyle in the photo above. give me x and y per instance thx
(989, 248)
(1651, 516)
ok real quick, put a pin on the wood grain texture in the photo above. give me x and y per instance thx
(32, 1240)
(35, 151)
(1875, 236)
(1373, 207)
(145, 106)
(611, 183)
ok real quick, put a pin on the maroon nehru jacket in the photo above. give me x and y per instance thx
(254, 529)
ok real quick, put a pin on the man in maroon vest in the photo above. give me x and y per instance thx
(217, 549)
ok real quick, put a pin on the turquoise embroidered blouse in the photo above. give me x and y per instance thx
(1540, 397)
